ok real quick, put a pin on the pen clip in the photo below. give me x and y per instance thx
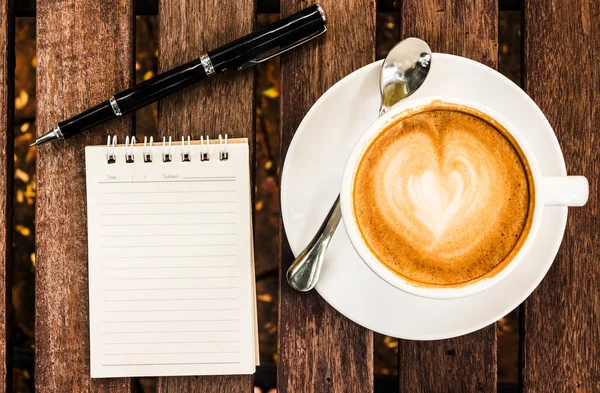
(277, 52)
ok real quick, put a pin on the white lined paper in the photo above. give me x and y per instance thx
(170, 264)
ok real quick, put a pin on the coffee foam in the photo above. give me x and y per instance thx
(441, 197)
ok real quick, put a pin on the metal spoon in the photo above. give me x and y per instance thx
(404, 70)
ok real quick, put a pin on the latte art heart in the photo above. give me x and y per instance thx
(436, 204)
(441, 197)
(432, 199)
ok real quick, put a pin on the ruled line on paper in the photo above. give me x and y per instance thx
(167, 289)
(171, 256)
(171, 245)
(163, 192)
(169, 353)
(177, 320)
(174, 342)
(174, 310)
(171, 278)
(177, 224)
(165, 364)
(167, 267)
(176, 331)
(162, 203)
(202, 177)
(163, 214)
(171, 321)
(160, 300)
(170, 235)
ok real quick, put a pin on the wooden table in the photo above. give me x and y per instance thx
(85, 54)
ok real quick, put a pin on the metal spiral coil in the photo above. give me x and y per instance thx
(189, 152)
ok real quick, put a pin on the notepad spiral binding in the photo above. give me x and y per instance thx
(186, 149)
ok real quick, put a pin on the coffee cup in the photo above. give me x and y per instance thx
(442, 197)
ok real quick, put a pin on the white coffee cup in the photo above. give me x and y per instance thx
(549, 191)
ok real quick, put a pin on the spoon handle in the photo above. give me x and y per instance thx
(304, 272)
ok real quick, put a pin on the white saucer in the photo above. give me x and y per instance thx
(312, 176)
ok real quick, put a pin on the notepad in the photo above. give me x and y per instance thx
(171, 282)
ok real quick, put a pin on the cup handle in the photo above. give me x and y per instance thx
(565, 191)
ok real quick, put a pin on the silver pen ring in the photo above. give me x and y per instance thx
(58, 132)
(207, 64)
(115, 106)
(322, 12)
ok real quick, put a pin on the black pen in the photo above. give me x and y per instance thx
(244, 52)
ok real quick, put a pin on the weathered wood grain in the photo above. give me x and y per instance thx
(319, 349)
(560, 320)
(7, 41)
(467, 363)
(150, 7)
(465, 28)
(462, 364)
(222, 104)
(205, 384)
(84, 55)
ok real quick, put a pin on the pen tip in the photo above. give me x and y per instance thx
(33, 144)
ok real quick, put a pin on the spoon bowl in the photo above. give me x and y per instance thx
(404, 70)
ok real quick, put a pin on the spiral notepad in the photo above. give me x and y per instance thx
(171, 280)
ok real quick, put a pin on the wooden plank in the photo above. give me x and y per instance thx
(467, 363)
(84, 55)
(560, 325)
(150, 7)
(223, 104)
(141, 7)
(319, 349)
(7, 42)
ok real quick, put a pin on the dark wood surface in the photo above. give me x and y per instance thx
(6, 187)
(84, 55)
(150, 7)
(467, 363)
(319, 349)
(561, 325)
(223, 104)
(205, 384)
